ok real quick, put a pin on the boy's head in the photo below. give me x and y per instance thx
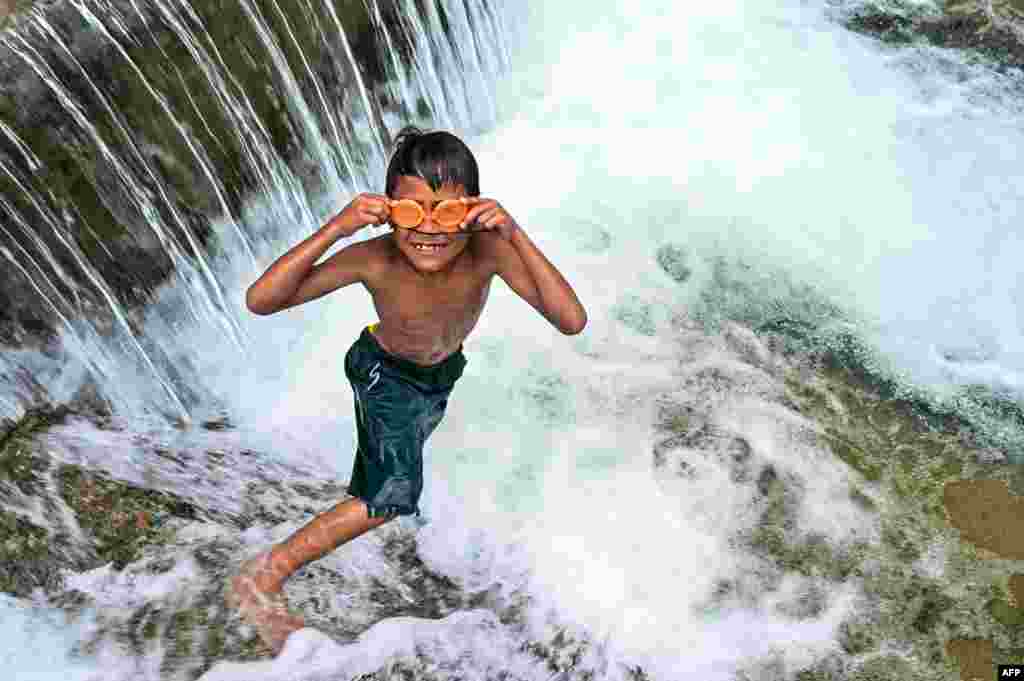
(438, 158)
(428, 167)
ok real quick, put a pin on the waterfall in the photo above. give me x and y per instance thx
(161, 145)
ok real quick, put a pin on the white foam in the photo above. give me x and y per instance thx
(757, 132)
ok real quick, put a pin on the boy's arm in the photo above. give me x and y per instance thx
(295, 278)
(527, 272)
(345, 267)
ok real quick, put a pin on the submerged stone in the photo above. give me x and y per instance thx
(120, 519)
(57, 517)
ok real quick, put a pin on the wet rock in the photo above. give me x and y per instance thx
(56, 517)
(28, 560)
(890, 28)
(78, 214)
(994, 28)
(118, 519)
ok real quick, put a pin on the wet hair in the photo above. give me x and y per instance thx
(437, 157)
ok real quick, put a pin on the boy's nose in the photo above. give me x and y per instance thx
(428, 225)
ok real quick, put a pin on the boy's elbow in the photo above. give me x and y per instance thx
(575, 329)
(257, 306)
(576, 324)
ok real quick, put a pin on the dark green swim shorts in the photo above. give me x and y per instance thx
(398, 405)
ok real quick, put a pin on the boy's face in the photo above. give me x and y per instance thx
(428, 233)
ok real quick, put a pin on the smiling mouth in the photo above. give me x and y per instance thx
(428, 248)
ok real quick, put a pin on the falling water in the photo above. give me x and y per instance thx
(334, 143)
(686, 166)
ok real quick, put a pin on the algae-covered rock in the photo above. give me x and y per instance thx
(119, 519)
(884, 668)
(57, 517)
(21, 469)
(912, 454)
(164, 136)
(27, 557)
(993, 29)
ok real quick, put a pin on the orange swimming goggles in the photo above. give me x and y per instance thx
(447, 215)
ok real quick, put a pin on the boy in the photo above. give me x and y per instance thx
(429, 280)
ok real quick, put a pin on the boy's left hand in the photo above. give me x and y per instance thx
(487, 214)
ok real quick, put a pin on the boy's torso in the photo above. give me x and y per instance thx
(423, 321)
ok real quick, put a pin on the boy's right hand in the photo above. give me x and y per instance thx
(365, 209)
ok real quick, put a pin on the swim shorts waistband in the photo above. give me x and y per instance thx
(453, 363)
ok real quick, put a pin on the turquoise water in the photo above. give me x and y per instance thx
(40, 644)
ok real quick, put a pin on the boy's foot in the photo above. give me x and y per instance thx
(255, 592)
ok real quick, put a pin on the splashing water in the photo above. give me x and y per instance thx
(678, 162)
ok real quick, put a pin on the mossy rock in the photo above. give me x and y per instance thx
(119, 521)
(857, 638)
(853, 456)
(29, 557)
(884, 668)
(19, 465)
(1008, 655)
(114, 234)
(862, 500)
(28, 560)
(893, 29)
(1006, 614)
(121, 518)
(903, 544)
(934, 604)
(957, 24)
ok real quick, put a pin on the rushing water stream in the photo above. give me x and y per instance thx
(682, 164)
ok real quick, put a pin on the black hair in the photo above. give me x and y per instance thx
(437, 157)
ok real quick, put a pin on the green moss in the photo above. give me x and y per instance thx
(19, 466)
(120, 517)
(862, 500)
(857, 638)
(904, 545)
(18, 463)
(768, 540)
(677, 423)
(1006, 614)
(215, 640)
(809, 556)
(21, 543)
(71, 162)
(949, 469)
(1008, 656)
(934, 604)
(151, 629)
(853, 456)
(811, 399)
(884, 668)
(181, 632)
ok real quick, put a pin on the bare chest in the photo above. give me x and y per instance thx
(426, 323)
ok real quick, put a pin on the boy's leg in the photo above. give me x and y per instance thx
(256, 589)
(317, 538)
